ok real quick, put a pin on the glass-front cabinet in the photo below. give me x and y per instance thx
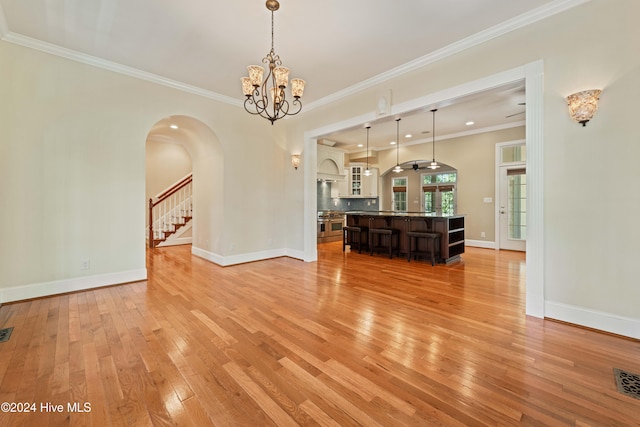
(356, 180)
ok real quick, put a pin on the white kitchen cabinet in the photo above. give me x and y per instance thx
(341, 188)
(370, 184)
(355, 181)
(359, 184)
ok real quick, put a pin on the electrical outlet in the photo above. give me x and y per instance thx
(85, 264)
(483, 234)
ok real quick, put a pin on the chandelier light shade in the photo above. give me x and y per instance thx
(367, 171)
(434, 164)
(398, 169)
(583, 105)
(267, 98)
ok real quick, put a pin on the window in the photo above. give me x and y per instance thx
(399, 194)
(439, 192)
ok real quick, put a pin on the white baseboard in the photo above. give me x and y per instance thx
(37, 290)
(480, 244)
(237, 259)
(175, 242)
(626, 326)
(293, 253)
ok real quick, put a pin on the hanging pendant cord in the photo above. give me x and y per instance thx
(398, 142)
(433, 134)
(272, 30)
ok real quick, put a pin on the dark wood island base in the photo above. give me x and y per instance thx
(451, 229)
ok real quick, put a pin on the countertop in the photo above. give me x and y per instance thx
(403, 214)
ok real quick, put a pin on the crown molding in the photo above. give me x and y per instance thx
(115, 67)
(520, 21)
(513, 24)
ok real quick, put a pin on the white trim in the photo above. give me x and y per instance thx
(480, 244)
(513, 24)
(226, 261)
(498, 30)
(175, 242)
(534, 133)
(296, 254)
(626, 326)
(393, 201)
(116, 68)
(496, 195)
(37, 290)
(310, 199)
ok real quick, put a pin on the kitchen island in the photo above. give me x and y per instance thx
(451, 228)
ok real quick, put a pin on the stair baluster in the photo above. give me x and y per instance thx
(169, 211)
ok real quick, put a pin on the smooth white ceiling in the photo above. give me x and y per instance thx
(333, 45)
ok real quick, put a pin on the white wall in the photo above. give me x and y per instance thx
(72, 174)
(165, 164)
(591, 231)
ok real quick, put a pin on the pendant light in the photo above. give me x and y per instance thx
(434, 164)
(367, 172)
(398, 169)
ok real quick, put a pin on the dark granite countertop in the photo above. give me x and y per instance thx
(402, 214)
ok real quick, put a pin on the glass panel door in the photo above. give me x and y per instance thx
(513, 208)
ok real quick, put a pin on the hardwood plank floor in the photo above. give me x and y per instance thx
(349, 340)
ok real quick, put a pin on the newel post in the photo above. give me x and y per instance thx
(151, 223)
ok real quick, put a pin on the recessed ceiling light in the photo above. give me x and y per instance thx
(360, 145)
(173, 126)
(408, 135)
(469, 123)
(392, 143)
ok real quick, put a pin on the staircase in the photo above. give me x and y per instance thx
(170, 212)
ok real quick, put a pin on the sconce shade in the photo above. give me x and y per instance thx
(295, 160)
(583, 105)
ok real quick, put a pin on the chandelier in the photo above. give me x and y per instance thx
(268, 98)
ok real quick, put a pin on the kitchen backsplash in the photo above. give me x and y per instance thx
(326, 203)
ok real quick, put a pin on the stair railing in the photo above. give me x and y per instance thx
(169, 210)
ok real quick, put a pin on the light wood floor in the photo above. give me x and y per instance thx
(349, 340)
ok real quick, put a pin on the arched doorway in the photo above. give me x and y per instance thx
(179, 145)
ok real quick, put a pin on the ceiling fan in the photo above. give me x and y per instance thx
(516, 114)
(417, 167)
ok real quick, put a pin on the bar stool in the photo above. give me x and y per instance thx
(352, 235)
(382, 238)
(432, 242)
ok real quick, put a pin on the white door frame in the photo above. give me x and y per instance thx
(498, 166)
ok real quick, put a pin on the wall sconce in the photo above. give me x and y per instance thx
(295, 160)
(583, 105)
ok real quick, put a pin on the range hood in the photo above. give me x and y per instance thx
(330, 164)
(331, 176)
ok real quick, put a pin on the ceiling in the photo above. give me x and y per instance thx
(336, 46)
